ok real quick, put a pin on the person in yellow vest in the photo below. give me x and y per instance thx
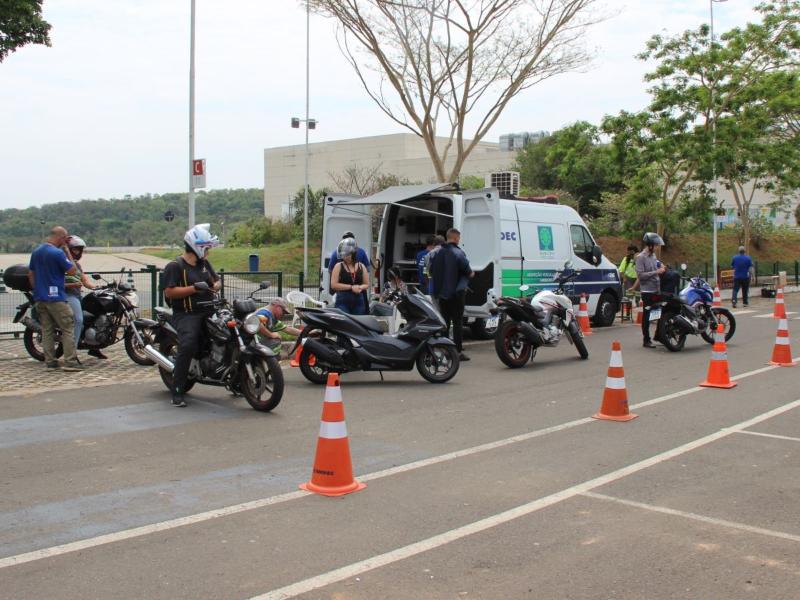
(627, 268)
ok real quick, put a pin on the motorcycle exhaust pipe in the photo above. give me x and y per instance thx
(532, 336)
(161, 360)
(684, 325)
(323, 352)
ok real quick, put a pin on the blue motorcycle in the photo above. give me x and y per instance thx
(700, 296)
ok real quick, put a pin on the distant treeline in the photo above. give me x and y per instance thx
(130, 221)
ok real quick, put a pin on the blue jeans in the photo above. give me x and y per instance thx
(77, 314)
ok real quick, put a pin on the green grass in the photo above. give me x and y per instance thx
(286, 257)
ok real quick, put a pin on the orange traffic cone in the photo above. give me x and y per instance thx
(780, 306)
(718, 373)
(333, 472)
(615, 396)
(717, 298)
(295, 362)
(782, 352)
(583, 317)
(639, 311)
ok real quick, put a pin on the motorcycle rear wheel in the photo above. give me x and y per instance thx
(316, 373)
(268, 381)
(135, 350)
(33, 344)
(438, 363)
(170, 350)
(511, 346)
(669, 336)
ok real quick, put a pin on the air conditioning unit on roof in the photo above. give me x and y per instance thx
(507, 183)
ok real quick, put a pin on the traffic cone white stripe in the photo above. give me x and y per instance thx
(333, 431)
(719, 356)
(615, 383)
(333, 393)
(719, 337)
(616, 359)
(782, 341)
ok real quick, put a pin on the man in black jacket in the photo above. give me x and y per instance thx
(450, 273)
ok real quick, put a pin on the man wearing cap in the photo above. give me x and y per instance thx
(742, 265)
(273, 329)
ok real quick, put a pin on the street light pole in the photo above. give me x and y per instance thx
(191, 121)
(305, 183)
(713, 114)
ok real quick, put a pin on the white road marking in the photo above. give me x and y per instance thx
(736, 312)
(696, 517)
(771, 435)
(135, 532)
(381, 560)
(769, 315)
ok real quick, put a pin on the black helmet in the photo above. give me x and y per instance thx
(652, 239)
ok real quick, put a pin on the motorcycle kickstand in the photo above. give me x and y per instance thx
(381, 374)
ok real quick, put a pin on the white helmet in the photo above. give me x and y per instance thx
(347, 247)
(199, 239)
(74, 241)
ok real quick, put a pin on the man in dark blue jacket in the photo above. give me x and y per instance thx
(450, 272)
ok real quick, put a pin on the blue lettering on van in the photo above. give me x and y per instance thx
(508, 235)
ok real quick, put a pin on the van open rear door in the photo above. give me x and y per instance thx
(342, 213)
(480, 238)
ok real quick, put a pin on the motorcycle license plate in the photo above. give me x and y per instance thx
(492, 322)
(655, 313)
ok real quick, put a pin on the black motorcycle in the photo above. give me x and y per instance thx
(230, 354)
(343, 343)
(107, 311)
(529, 323)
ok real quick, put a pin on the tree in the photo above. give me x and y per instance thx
(442, 61)
(21, 23)
(315, 201)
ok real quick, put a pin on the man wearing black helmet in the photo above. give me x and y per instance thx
(648, 269)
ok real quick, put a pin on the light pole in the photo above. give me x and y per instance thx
(222, 224)
(310, 124)
(191, 121)
(713, 114)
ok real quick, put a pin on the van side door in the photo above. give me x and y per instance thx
(339, 217)
(480, 238)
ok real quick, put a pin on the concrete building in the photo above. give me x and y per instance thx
(400, 154)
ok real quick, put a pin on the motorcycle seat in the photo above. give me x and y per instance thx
(369, 322)
(163, 311)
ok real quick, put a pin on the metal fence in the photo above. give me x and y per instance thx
(149, 288)
(764, 270)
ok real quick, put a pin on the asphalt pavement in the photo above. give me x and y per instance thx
(498, 484)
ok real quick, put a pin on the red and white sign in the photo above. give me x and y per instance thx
(199, 173)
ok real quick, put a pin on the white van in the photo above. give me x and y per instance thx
(508, 243)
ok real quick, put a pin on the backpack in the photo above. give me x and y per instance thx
(182, 265)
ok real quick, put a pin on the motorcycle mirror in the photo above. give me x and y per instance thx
(683, 266)
(264, 285)
(96, 276)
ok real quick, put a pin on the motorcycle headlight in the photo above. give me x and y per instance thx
(133, 299)
(251, 324)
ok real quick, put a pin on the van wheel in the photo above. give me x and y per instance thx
(480, 331)
(606, 310)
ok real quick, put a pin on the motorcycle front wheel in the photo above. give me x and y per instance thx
(135, 350)
(577, 338)
(511, 346)
(265, 391)
(170, 350)
(33, 344)
(438, 363)
(669, 336)
(726, 318)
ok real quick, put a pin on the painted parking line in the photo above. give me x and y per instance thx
(746, 311)
(431, 543)
(226, 511)
(769, 315)
(695, 517)
(771, 435)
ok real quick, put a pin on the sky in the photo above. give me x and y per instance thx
(104, 112)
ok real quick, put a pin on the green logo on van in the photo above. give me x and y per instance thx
(546, 238)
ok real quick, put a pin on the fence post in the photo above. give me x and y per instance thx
(222, 282)
(153, 286)
(301, 281)
(280, 283)
(797, 272)
(775, 268)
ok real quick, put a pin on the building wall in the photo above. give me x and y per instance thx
(402, 154)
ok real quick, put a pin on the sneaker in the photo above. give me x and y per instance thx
(73, 367)
(97, 354)
(463, 357)
(734, 304)
(53, 364)
(648, 344)
(178, 400)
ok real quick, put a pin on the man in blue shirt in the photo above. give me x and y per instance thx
(742, 264)
(46, 270)
(450, 272)
(420, 262)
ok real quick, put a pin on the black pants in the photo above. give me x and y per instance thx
(452, 310)
(647, 302)
(190, 332)
(744, 284)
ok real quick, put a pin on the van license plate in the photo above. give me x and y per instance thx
(655, 313)
(492, 322)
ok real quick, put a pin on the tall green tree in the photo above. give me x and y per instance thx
(21, 23)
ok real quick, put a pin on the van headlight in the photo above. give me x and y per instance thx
(252, 324)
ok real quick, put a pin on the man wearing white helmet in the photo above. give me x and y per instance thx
(189, 280)
(72, 289)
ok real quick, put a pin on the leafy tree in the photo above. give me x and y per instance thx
(442, 61)
(21, 23)
(315, 203)
(471, 182)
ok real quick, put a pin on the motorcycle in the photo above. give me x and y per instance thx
(230, 354)
(361, 344)
(527, 324)
(690, 312)
(107, 309)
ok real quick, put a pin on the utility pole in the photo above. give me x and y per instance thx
(713, 114)
(191, 122)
